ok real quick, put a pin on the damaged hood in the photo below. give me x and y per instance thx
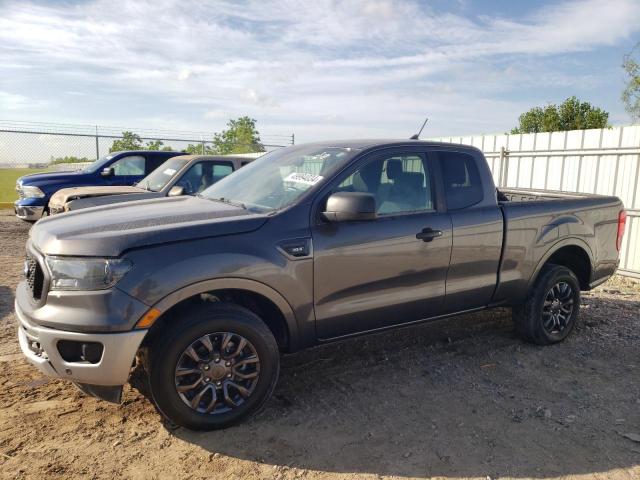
(61, 197)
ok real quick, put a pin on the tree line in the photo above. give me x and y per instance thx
(240, 136)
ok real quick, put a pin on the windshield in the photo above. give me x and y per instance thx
(97, 165)
(277, 179)
(159, 178)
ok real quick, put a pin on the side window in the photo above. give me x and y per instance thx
(192, 179)
(202, 175)
(462, 185)
(214, 172)
(400, 184)
(221, 170)
(132, 165)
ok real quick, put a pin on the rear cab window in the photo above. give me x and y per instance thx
(461, 179)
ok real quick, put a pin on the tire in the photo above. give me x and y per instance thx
(200, 332)
(542, 320)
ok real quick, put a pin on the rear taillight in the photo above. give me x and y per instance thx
(622, 221)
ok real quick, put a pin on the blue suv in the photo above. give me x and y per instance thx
(118, 168)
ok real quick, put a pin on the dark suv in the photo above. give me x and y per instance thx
(118, 168)
(182, 175)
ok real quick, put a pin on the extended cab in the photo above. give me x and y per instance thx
(182, 175)
(308, 244)
(118, 168)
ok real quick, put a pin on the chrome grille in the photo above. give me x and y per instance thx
(34, 276)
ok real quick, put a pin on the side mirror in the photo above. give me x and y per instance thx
(107, 172)
(350, 207)
(176, 191)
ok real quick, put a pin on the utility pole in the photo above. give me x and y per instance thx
(97, 145)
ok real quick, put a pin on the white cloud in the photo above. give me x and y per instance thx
(14, 102)
(322, 67)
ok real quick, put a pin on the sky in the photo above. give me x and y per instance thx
(320, 69)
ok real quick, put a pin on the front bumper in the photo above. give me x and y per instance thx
(40, 346)
(28, 213)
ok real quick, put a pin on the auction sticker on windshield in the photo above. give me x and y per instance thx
(304, 178)
(169, 171)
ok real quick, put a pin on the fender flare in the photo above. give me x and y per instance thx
(567, 242)
(259, 288)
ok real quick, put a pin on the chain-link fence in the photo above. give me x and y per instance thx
(43, 145)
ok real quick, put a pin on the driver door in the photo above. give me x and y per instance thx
(375, 274)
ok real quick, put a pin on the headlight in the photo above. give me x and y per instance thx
(86, 273)
(32, 192)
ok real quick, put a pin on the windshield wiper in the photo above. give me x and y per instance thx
(228, 201)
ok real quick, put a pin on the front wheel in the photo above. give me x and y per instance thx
(215, 365)
(551, 309)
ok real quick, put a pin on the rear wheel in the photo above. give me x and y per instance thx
(215, 366)
(551, 309)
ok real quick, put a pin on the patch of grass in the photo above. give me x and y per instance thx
(8, 177)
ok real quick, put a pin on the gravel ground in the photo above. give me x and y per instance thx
(457, 398)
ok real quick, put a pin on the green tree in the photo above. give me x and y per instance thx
(133, 141)
(157, 145)
(631, 92)
(154, 145)
(129, 141)
(241, 136)
(572, 114)
(197, 149)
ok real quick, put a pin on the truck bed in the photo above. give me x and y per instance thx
(537, 222)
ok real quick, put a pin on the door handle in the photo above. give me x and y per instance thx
(428, 234)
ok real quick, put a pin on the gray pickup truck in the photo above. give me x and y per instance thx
(308, 244)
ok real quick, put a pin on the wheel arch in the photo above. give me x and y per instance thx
(572, 253)
(263, 300)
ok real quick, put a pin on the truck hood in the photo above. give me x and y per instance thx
(47, 178)
(103, 200)
(110, 231)
(62, 196)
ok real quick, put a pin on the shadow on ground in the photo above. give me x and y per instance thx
(6, 300)
(462, 397)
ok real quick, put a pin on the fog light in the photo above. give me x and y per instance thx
(79, 352)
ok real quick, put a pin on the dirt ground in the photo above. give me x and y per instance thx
(456, 398)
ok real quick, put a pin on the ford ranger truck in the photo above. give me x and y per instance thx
(118, 168)
(306, 245)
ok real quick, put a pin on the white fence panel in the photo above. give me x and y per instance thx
(603, 161)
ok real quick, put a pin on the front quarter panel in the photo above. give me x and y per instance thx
(167, 274)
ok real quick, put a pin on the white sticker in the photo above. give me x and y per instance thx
(305, 178)
(169, 171)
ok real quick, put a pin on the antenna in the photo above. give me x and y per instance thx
(417, 135)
